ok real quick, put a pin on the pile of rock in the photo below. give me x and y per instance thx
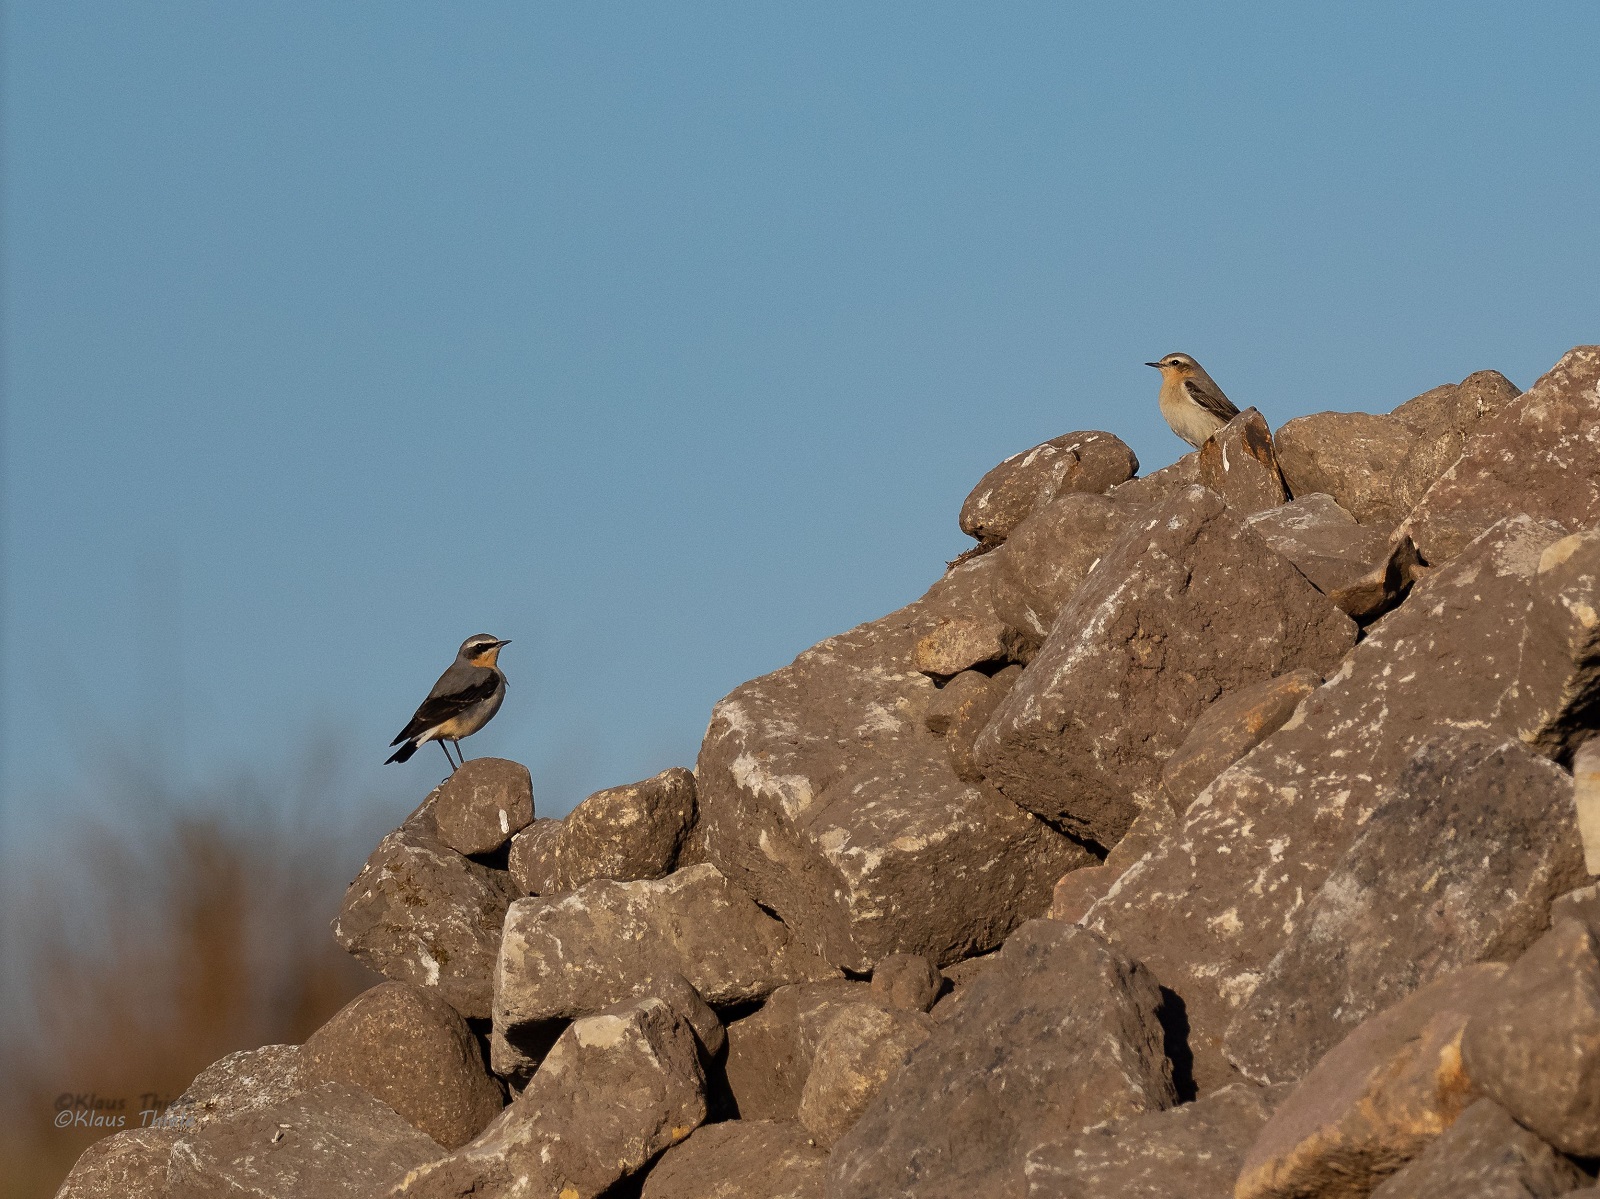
(1198, 834)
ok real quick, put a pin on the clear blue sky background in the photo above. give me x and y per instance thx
(667, 339)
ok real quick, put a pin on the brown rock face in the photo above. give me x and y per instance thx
(1160, 486)
(1061, 1033)
(1479, 837)
(1084, 462)
(740, 1159)
(1535, 1049)
(824, 796)
(1077, 891)
(412, 1050)
(959, 643)
(1321, 539)
(1231, 728)
(1375, 1101)
(421, 913)
(531, 855)
(622, 833)
(1488, 1155)
(1445, 417)
(770, 1052)
(576, 954)
(242, 1082)
(1361, 460)
(909, 982)
(480, 806)
(968, 720)
(1239, 464)
(1385, 585)
(617, 1089)
(1188, 1152)
(1047, 558)
(1186, 607)
(858, 1051)
(1539, 455)
(334, 1139)
(1565, 645)
(130, 1163)
(1208, 909)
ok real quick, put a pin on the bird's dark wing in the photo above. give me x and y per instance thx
(1211, 399)
(443, 703)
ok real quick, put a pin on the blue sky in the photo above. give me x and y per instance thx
(667, 339)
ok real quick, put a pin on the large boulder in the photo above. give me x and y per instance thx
(1048, 556)
(1187, 606)
(1322, 540)
(334, 1139)
(1444, 417)
(622, 833)
(1564, 645)
(1208, 908)
(824, 796)
(573, 955)
(617, 1089)
(1487, 1155)
(412, 1050)
(859, 1050)
(419, 912)
(480, 806)
(1375, 1101)
(1060, 1033)
(1535, 1048)
(1239, 464)
(1479, 836)
(1539, 455)
(741, 1159)
(1188, 1152)
(771, 1051)
(132, 1162)
(1361, 459)
(1089, 462)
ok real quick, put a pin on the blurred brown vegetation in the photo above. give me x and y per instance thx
(175, 930)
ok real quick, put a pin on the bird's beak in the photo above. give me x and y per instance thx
(1157, 365)
(498, 644)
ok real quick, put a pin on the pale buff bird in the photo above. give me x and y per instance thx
(1191, 401)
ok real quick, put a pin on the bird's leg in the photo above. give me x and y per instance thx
(459, 754)
(447, 756)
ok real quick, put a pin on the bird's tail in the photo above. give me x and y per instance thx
(403, 753)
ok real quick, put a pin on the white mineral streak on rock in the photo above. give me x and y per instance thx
(1586, 795)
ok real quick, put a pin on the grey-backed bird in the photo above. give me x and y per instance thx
(464, 699)
(1191, 401)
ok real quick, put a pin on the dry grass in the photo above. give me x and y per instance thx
(171, 933)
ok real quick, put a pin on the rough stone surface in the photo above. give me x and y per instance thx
(968, 720)
(1322, 540)
(1230, 728)
(412, 1050)
(1581, 904)
(1539, 455)
(1187, 606)
(479, 807)
(1160, 486)
(1209, 908)
(1485, 1154)
(1061, 1033)
(1375, 1101)
(419, 912)
(1079, 890)
(575, 954)
(970, 687)
(824, 796)
(1493, 825)
(1188, 1152)
(622, 833)
(531, 852)
(1362, 460)
(1565, 643)
(243, 1082)
(770, 1052)
(740, 1159)
(908, 981)
(1385, 585)
(1049, 555)
(1084, 462)
(960, 643)
(617, 1089)
(129, 1165)
(334, 1139)
(1239, 464)
(858, 1051)
(1535, 1049)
